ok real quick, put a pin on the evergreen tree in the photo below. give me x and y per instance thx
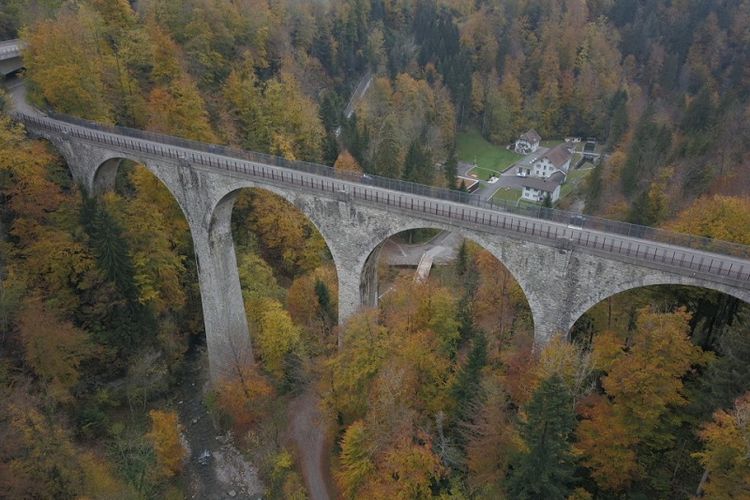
(729, 376)
(545, 471)
(109, 246)
(450, 169)
(418, 164)
(331, 111)
(648, 151)
(127, 320)
(356, 141)
(330, 149)
(386, 161)
(467, 387)
(463, 259)
(324, 301)
(618, 124)
(594, 189)
(699, 114)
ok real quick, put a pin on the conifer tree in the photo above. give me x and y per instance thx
(545, 471)
(729, 376)
(467, 386)
(418, 164)
(327, 309)
(450, 169)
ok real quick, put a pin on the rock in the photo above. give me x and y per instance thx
(204, 457)
(195, 420)
(232, 493)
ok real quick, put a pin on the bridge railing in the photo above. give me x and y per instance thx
(572, 220)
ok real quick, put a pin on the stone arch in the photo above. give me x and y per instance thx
(367, 261)
(219, 221)
(222, 208)
(654, 279)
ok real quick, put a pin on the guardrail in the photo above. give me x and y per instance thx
(629, 241)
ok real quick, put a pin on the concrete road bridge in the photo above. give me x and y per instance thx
(564, 263)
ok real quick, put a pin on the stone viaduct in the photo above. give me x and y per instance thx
(563, 263)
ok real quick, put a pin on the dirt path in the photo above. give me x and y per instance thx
(307, 430)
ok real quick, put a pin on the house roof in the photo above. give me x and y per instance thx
(558, 155)
(548, 184)
(531, 136)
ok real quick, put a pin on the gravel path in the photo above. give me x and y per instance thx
(307, 430)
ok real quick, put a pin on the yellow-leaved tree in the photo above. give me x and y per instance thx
(643, 381)
(68, 62)
(54, 348)
(277, 336)
(720, 217)
(165, 437)
(726, 452)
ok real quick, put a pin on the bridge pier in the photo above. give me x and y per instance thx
(227, 333)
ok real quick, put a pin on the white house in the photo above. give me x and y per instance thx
(528, 142)
(536, 189)
(555, 160)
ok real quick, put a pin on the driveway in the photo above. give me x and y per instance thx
(507, 179)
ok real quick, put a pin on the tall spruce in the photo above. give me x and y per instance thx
(109, 246)
(467, 387)
(418, 164)
(127, 321)
(545, 470)
(450, 169)
(729, 376)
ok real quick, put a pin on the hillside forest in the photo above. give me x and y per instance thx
(437, 392)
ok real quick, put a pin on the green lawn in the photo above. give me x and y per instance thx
(575, 179)
(481, 173)
(471, 147)
(506, 194)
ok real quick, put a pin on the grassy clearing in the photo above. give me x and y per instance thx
(506, 194)
(471, 147)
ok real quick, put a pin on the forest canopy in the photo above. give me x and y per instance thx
(439, 391)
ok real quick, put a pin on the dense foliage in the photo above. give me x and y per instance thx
(438, 392)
